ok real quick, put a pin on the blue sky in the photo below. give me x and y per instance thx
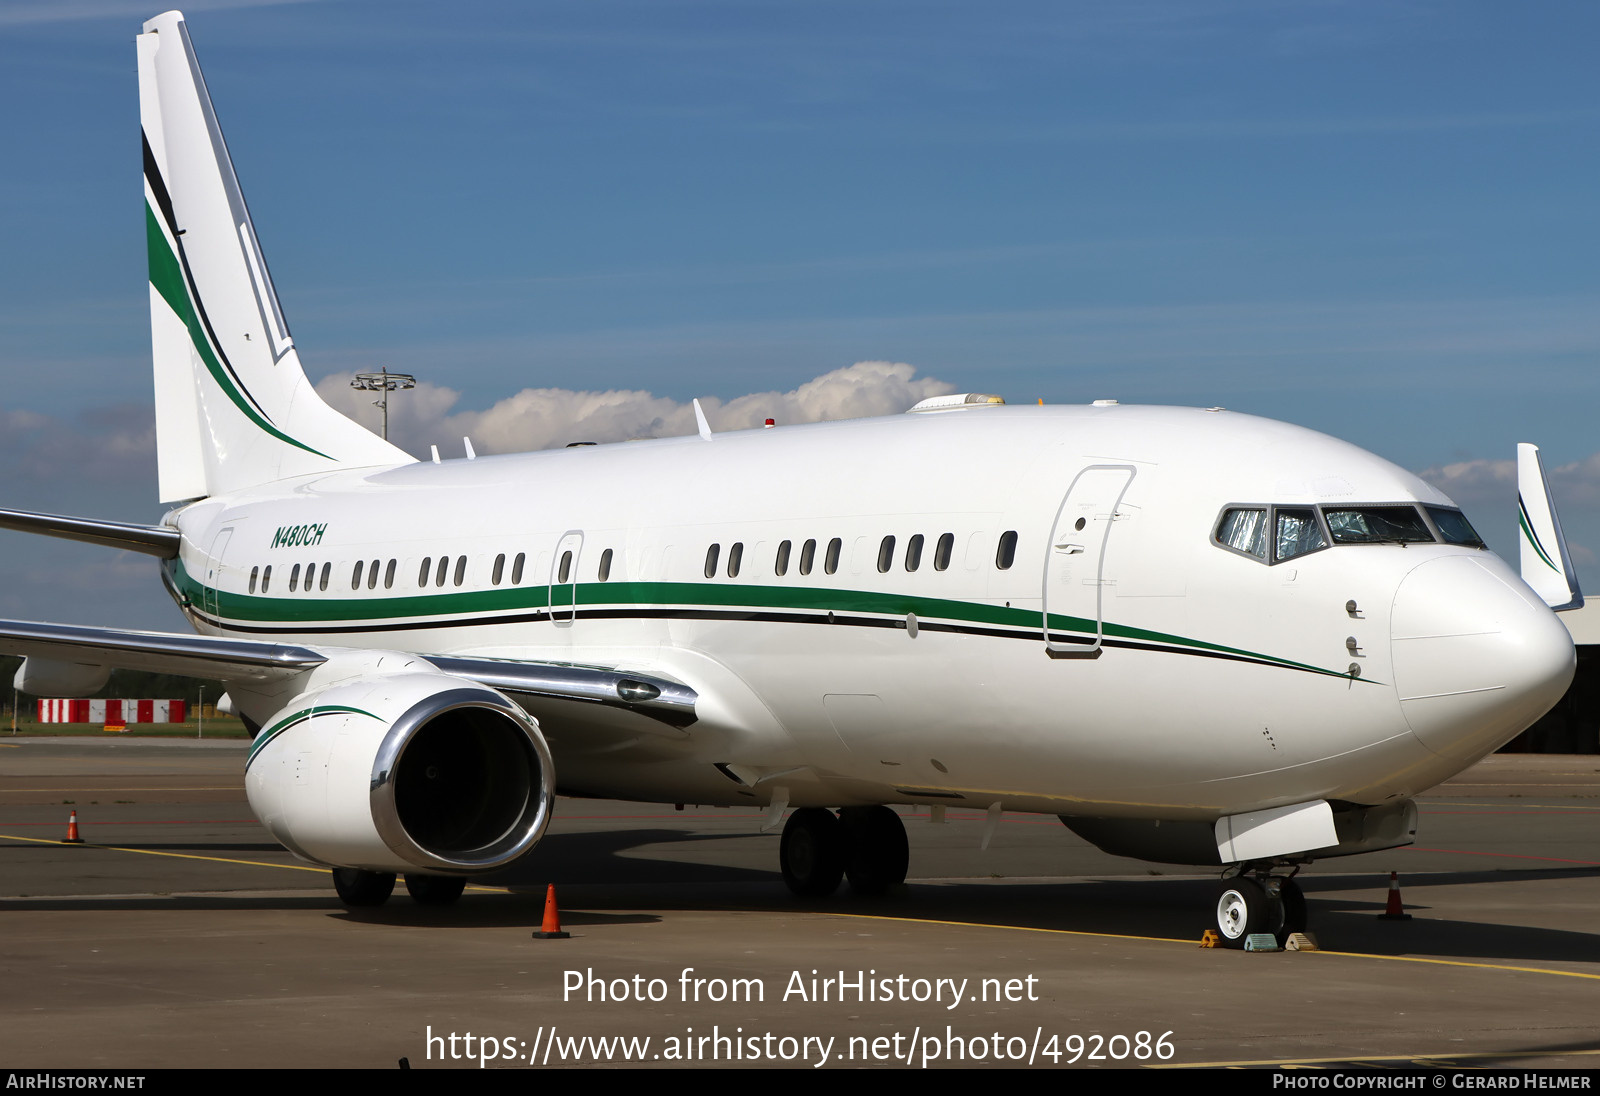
(1373, 219)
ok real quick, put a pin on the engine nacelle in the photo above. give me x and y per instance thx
(52, 677)
(407, 772)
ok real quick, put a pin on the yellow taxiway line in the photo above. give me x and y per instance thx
(1193, 943)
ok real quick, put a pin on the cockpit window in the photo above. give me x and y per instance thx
(1244, 531)
(1293, 531)
(1377, 525)
(1455, 528)
(1298, 532)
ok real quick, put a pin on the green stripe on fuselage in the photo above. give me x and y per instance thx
(377, 611)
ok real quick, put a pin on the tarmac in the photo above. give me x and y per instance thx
(180, 935)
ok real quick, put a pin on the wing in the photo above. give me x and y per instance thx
(252, 661)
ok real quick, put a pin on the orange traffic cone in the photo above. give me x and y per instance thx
(1394, 911)
(551, 929)
(72, 830)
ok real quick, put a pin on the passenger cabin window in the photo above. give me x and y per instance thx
(516, 568)
(780, 567)
(711, 560)
(735, 557)
(294, 578)
(1006, 554)
(355, 575)
(565, 571)
(388, 574)
(914, 553)
(1244, 531)
(427, 567)
(605, 566)
(499, 569)
(461, 568)
(255, 573)
(831, 563)
(885, 554)
(327, 569)
(444, 569)
(808, 556)
(942, 552)
(266, 578)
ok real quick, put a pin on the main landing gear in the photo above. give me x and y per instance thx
(866, 844)
(1262, 903)
(365, 889)
(359, 888)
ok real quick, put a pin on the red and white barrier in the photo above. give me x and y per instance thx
(112, 711)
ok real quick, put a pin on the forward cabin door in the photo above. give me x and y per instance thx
(564, 579)
(1074, 568)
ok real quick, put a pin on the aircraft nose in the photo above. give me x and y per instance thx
(1477, 656)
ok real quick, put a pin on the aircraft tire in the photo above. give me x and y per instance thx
(1243, 908)
(812, 852)
(878, 854)
(359, 888)
(435, 890)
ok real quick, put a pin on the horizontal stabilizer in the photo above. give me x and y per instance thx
(1546, 566)
(153, 540)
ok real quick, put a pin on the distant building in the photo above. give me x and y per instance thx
(1573, 725)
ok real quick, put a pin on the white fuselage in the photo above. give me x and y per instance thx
(1224, 684)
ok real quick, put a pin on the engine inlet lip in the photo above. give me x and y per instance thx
(524, 834)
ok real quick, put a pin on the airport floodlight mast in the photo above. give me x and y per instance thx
(385, 382)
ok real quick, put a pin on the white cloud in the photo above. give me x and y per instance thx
(542, 418)
(1575, 486)
(1474, 483)
(1487, 491)
(107, 445)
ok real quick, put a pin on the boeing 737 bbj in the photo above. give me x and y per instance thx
(1197, 637)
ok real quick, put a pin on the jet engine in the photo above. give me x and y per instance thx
(403, 772)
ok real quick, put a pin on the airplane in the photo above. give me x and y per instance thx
(1195, 636)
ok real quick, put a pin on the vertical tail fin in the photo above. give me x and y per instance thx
(233, 407)
(1546, 566)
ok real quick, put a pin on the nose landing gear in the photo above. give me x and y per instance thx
(1264, 903)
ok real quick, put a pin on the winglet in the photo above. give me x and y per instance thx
(1546, 566)
(700, 421)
